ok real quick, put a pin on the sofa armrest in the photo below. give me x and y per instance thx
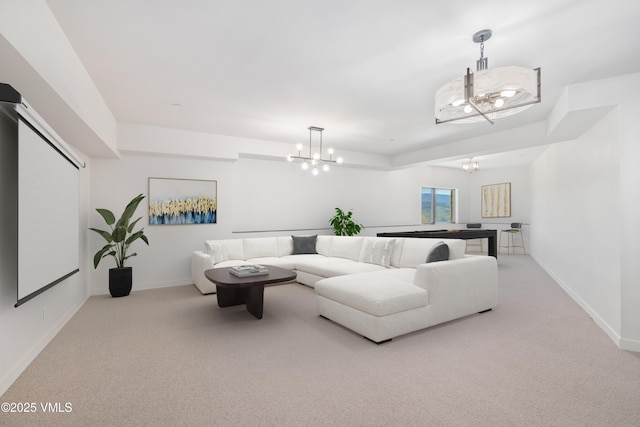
(200, 262)
(461, 286)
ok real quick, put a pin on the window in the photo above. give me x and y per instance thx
(438, 205)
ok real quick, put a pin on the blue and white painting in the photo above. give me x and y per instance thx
(182, 201)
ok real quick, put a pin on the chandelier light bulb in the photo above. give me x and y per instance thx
(499, 102)
(299, 147)
(314, 171)
(289, 159)
(339, 160)
(330, 151)
(304, 166)
(316, 156)
(325, 167)
(507, 93)
(468, 109)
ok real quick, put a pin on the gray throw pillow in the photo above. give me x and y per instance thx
(439, 252)
(304, 244)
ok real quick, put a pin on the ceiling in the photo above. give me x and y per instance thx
(365, 70)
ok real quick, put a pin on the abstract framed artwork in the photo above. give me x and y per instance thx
(182, 201)
(496, 200)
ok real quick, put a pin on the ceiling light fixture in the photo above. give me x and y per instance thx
(470, 166)
(314, 160)
(488, 93)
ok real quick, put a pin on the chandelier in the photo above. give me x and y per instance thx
(315, 160)
(470, 166)
(489, 93)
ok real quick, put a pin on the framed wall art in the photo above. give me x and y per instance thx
(496, 200)
(182, 201)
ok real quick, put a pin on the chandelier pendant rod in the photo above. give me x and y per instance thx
(468, 94)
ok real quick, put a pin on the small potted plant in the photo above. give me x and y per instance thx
(121, 236)
(343, 224)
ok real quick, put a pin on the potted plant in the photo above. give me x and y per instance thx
(118, 240)
(343, 224)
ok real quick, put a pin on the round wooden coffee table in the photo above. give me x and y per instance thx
(232, 290)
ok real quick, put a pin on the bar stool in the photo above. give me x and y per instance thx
(516, 228)
(474, 242)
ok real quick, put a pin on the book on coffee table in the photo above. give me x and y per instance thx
(248, 270)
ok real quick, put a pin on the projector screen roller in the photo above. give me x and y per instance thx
(48, 212)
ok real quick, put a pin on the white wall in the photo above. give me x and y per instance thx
(27, 329)
(255, 198)
(40, 63)
(575, 192)
(280, 196)
(585, 210)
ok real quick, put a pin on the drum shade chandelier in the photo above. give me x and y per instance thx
(487, 94)
(315, 160)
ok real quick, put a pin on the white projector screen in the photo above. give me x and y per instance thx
(48, 218)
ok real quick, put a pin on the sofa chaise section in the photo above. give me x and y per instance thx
(380, 306)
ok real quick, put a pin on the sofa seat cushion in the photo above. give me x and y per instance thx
(344, 268)
(318, 265)
(231, 263)
(371, 293)
(281, 262)
(404, 274)
(302, 258)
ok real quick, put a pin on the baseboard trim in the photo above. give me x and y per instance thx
(630, 345)
(146, 286)
(602, 324)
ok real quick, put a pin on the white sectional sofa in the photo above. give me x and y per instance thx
(378, 287)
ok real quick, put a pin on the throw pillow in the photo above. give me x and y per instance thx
(304, 244)
(439, 252)
(381, 252)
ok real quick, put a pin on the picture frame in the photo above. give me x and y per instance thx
(182, 201)
(495, 200)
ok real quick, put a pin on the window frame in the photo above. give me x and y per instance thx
(453, 205)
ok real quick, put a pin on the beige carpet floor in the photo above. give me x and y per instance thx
(171, 357)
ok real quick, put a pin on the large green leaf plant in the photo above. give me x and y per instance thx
(121, 235)
(343, 224)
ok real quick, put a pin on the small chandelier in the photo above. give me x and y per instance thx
(315, 160)
(489, 93)
(470, 166)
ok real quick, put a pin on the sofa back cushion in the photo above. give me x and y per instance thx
(323, 244)
(409, 252)
(234, 248)
(260, 247)
(285, 245)
(348, 247)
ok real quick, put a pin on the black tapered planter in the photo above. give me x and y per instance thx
(120, 281)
